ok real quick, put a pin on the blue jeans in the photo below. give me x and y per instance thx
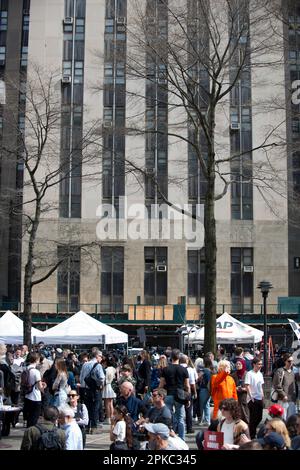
(178, 415)
(59, 399)
(204, 401)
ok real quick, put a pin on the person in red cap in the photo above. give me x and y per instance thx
(275, 411)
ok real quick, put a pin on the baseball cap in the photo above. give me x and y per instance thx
(59, 353)
(276, 410)
(273, 439)
(159, 429)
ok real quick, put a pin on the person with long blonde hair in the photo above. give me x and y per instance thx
(277, 425)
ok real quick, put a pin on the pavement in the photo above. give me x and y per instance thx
(99, 441)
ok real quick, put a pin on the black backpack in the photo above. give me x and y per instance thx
(26, 387)
(90, 381)
(49, 439)
(49, 378)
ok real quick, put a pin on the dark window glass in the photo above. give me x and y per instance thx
(68, 279)
(196, 276)
(155, 276)
(242, 280)
(112, 278)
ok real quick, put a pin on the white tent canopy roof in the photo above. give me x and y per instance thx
(229, 330)
(82, 328)
(11, 329)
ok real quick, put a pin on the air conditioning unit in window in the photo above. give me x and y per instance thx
(248, 269)
(149, 171)
(66, 79)
(234, 126)
(25, 12)
(107, 124)
(151, 20)
(161, 268)
(68, 20)
(121, 20)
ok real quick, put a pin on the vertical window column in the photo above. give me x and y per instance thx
(68, 279)
(199, 84)
(241, 115)
(156, 115)
(72, 108)
(196, 277)
(113, 163)
(112, 279)
(242, 280)
(156, 275)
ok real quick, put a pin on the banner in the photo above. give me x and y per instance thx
(213, 440)
(296, 328)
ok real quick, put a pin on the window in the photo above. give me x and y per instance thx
(67, 67)
(242, 280)
(21, 124)
(156, 275)
(296, 126)
(68, 279)
(3, 21)
(79, 30)
(2, 54)
(109, 26)
(78, 72)
(196, 277)
(112, 279)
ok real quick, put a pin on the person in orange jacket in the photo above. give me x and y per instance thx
(222, 386)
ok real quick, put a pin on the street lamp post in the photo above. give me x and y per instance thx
(265, 287)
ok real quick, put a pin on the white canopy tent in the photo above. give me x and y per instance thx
(81, 328)
(11, 329)
(229, 331)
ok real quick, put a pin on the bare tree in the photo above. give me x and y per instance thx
(194, 58)
(37, 151)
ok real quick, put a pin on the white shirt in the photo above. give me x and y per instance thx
(18, 360)
(255, 380)
(85, 415)
(227, 430)
(176, 443)
(119, 431)
(34, 376)
(73, 436)
(193, 376)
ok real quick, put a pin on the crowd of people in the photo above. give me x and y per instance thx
(149, 401)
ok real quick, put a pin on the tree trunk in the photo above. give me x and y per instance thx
(28, 275)
(27, 317)
(210, 245)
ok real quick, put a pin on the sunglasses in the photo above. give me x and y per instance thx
(290, 360)
(71, 396)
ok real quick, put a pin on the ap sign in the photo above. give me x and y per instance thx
(224, 325)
